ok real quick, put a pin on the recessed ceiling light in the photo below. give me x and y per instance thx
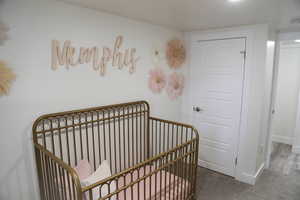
(298, 41)
(234, 1)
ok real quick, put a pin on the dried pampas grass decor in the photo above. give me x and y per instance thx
(175, 53)
(3, 32)
(7, 76)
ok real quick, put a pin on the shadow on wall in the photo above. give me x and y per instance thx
(12, 185)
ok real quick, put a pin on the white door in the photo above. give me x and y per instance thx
(217, 76)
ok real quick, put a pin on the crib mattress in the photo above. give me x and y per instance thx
(162, 185)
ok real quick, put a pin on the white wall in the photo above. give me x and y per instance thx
(296, 141)
(265, 122)
(286, 100)
(253, 112)
(39, 90)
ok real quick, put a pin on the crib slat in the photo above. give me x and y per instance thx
(128, 139)
(93, 140)
(109, 140)
(141, 135)
(119, 131)
(124, 142)
(114, 138)
(99, 140)
(132, 136)
(67, 140)
(104, 135)
(80, 134)
(74, 140)
(136, 136)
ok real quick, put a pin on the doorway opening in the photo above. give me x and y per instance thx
(284, 140)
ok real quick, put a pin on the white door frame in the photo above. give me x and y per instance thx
(296, 144)
(280, 37)
(273, 99)
(227, 34)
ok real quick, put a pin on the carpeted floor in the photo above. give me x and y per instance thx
(283, 160)
(280, 182)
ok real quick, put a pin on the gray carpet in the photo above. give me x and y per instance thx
(283, 160)
(274, 184)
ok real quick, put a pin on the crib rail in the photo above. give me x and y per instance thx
(57, 180)
(148, 156)
(176, 156)
(165, 135)
(115, 133)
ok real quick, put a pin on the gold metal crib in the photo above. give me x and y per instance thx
(150, 158)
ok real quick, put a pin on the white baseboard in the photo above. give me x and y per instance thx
(282, 139)
(251, 179)
(259, 171)
(246, 178)
(296, 149)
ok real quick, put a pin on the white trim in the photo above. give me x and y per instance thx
(296, 149)
(251, 179)
(270, 63)
(213, 167)
(282, 139)
(247, 178)
(273, 98)
(296, 137)
(259, 171)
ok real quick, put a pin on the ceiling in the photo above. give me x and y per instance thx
(187, 15)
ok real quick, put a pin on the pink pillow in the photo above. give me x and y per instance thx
(83, 169)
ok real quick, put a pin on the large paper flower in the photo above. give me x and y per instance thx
(3, 32)
(175, 85)
(6, 78)
(175, 53)
(157, 80)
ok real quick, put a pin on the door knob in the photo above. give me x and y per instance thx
(197, 109)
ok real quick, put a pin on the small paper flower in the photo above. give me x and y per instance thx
(158, 54)
(175, 85)
(6, 78)
(3, 32)
(175, 53)
(157, 80)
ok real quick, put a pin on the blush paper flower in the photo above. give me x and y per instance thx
(6, 78)
(157, 80)
(3, 32)
(175, 53)
(175, 85)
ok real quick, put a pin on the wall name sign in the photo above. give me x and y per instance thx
(98, 58)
